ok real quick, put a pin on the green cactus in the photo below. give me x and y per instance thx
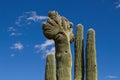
(50, 67)
(63, 62)
(91, 64)
(79, 54)
(59, 29)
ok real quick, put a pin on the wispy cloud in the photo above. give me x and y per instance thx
(13, 32)
(112, 77)
(117, 4)
(29, 17)
(12, 55)
(51, 51)
(36, 18)
(48, 51)
(44, 47)
(17, 46)
(45, 44)
(11, 29)
(25, 19)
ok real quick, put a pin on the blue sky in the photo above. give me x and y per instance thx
(23, 46)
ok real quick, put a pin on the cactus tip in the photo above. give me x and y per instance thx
(91, 29)
(79, 25)
(50, 53)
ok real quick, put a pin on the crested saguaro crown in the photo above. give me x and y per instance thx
(57, 27)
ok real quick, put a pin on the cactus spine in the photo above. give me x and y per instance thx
(50, 68)
(91, 65)
(79, 54)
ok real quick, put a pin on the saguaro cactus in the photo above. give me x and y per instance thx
(91, 64)
(50, 68)
(59, 29)
(79, 54)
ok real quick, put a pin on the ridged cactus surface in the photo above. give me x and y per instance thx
(91, 64)
(79, 54)
(50, 67)
(59, 29)
(63, 62)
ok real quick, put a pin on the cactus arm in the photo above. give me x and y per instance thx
(50, 67)
(79, 54)
(91, 64)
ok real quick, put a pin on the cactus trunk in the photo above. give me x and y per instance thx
(79, 54)
(50, 68)
(91, 64)
(63, 61)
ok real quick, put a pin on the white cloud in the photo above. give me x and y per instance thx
(13, 32)
(112, 77)
(12, 55)
(36, 18)
(47, 43)
(51, 51)
(44, 47)
(11, 29)
(29, 17)
(25, 19)
(118, 4)
(17, 46)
